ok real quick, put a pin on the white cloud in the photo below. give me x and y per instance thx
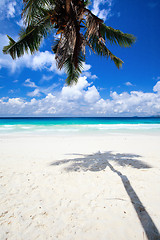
(102, 13)
(92, 95)
(105, 14)
(86, 67)
(83, 99)
(38, 61)
(15, 81)
(38, 90)
(86, 72)
(20, 23)
(156, 88)
(136, 103)
(46, 78)
(76, 91)
(128, 84)
(29, 83)
(89, 75)
(11, 9)
(35, 93)
(15, 101)
(43, 59)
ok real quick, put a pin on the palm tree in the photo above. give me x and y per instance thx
(77, 28)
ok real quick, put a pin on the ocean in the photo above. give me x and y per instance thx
(85, 125)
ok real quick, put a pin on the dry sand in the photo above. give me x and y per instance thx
(97, 187)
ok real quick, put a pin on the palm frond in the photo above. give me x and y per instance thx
(100, 48)
(92, 24)
(9, 46)
(66, 45)
(34, 9)
(55, 46)
(73, 73)
(29, 39)
(116, 36)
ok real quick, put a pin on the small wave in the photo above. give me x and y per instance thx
(7, 125)
(6, 128)
(26, 127)
(121, 126)
(67, 130)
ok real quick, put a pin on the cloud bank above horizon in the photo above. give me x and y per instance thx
(82, 99)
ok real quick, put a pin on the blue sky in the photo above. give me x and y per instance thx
(32, 85)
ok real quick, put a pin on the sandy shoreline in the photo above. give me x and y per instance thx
(80, 187)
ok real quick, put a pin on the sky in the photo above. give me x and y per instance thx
(32, 85)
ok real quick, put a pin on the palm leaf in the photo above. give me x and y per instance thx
(73, 73)
(66, 45)
(34, 9)
(92, 24)
(116, 36)
(29, 39)
(100, 48)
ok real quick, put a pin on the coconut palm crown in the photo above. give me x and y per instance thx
(77, 28)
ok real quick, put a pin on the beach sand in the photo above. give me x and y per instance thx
(92, 187)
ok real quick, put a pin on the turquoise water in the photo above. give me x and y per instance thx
(78, 125)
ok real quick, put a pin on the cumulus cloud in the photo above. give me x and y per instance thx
(76, 91)
(83, 99)
(136, 103)
(92, 95)
(38, 61)
(41, 60)
(101, 12)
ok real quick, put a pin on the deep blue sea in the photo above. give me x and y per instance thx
(62, 125)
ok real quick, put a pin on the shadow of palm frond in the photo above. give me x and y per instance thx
(99, 161)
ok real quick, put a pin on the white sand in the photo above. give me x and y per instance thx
(80, 187)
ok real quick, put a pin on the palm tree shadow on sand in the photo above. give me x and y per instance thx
(98, 162)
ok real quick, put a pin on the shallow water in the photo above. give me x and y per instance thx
(78, 125)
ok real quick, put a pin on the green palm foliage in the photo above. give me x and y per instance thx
(77, 28)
